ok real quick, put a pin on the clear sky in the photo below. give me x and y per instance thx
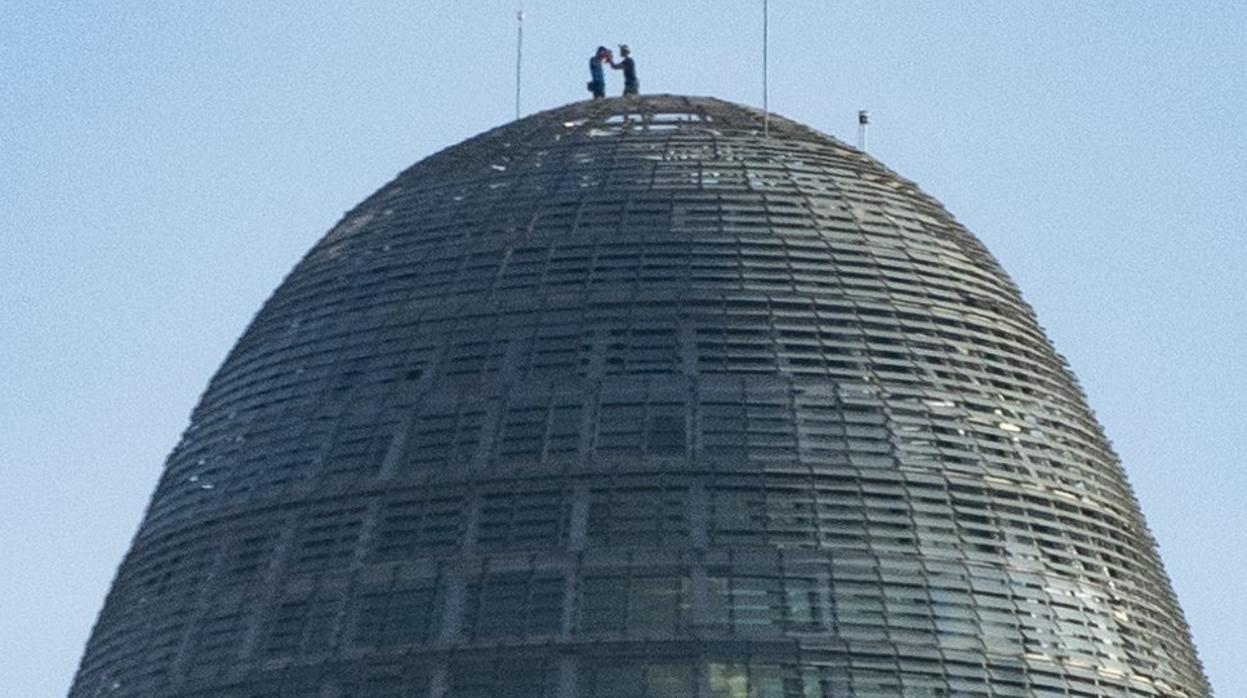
(164, 164)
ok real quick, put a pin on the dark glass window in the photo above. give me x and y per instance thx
(416, 527)
(297, 625)
(651, 680)
(523, 520)
(327, 539)
(360, 448)
(665, 435)
(388, 684)
(395, 617)
(523, 434)
(502, 679)
(763, 681)
(445, 435)
(750, 513)
(219, 639)
(250, 553)
(564, 436)
(620, 428)
(723, 428)
(638, 606)
(752, 605)
(514, 604)
(639, 516)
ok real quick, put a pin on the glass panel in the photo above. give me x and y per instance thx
(656, 604)
(728, 680)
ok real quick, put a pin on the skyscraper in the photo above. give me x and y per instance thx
(629, 398)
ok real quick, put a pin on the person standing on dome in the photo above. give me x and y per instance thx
(597, 81)
(631, 85)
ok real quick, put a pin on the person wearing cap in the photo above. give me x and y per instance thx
(631, 85)
(597, 81)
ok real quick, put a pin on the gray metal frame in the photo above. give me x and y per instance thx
(629, 398)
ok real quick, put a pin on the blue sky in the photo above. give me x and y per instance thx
(164, 165)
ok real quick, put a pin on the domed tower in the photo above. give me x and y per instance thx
(627, 398)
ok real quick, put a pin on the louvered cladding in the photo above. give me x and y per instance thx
(627, 398)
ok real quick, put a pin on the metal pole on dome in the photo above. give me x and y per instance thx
(766, 93)
(519, 55)
(863, 118)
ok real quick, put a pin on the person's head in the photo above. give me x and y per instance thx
(602, 53)
(624, 50)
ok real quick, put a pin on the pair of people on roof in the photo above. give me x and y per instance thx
(597, 80)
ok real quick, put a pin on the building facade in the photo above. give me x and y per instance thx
(630, 398)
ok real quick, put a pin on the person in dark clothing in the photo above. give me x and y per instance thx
(597, 81)
(631, 85)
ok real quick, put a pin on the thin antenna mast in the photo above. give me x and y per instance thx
(766, 93)
(519, 55)
(863, 118)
